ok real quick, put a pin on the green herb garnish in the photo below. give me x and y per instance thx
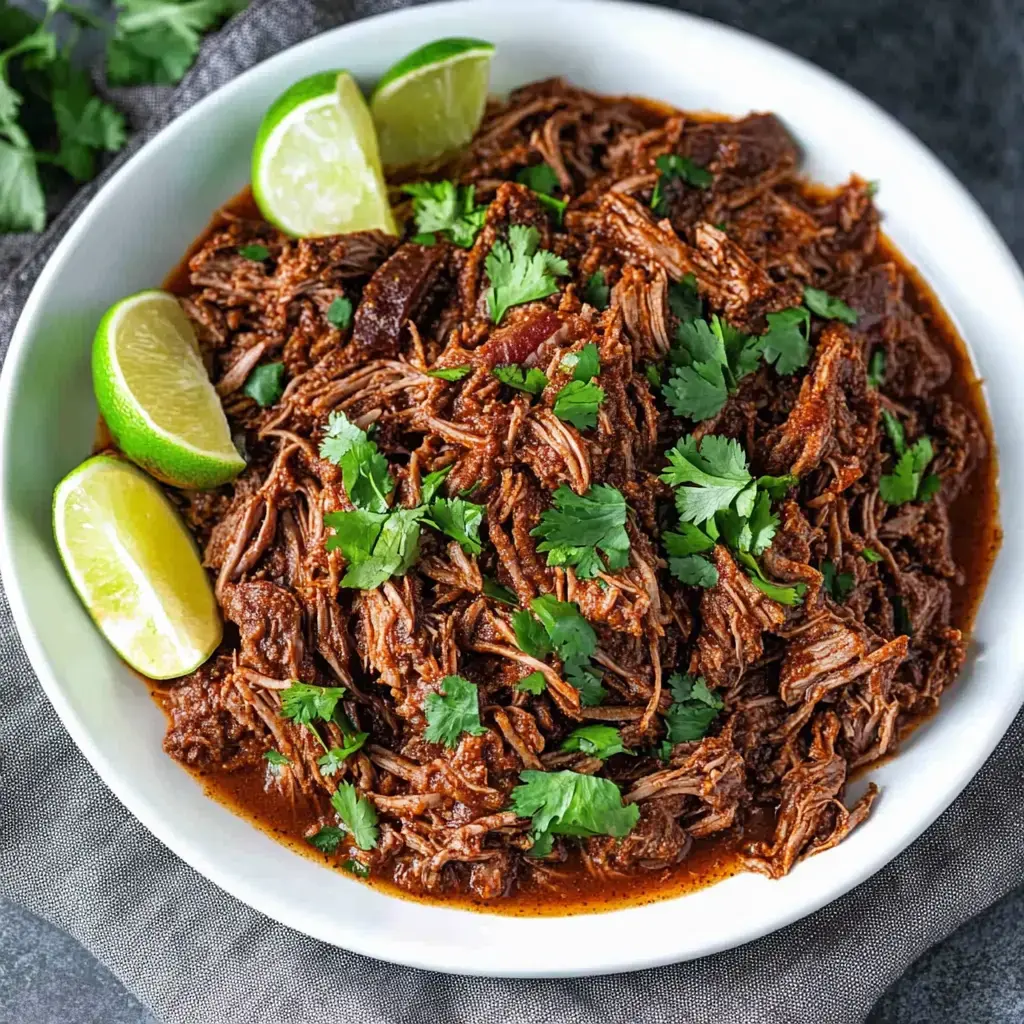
(357, 815)
(520, 272)
(673, 167)
(577, 527)
(444, 208)
(694, 708)
(837, 584)
(828, 306)
(265, 384)
(597, 740)
(339, 312)
(452, 712)
(596, 290)
(451, 372)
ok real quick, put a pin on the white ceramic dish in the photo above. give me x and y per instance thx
(135, 231)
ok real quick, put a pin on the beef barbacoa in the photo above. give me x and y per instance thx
(702, 635)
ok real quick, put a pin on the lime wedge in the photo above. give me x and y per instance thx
(135, 567)
(431, 102)
(155, 395)
(315, 166)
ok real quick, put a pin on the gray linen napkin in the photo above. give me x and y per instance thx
(72, 854)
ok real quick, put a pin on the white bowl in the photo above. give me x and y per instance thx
(139, 226)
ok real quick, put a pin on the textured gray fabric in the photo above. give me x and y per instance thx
(71, 853)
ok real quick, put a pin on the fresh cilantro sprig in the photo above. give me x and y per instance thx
(460, 520)
(694, 707)
(596, 290)
(451, 373)
(265, 384)
(534, 683)
(838, 585)
(304, 703)
(786, 343)
(444, 208)
(519, 271)
(568, 803)
(577, 403)
(558, 626)
(578, 526)
(275, 757)
(710, 359)
(364, 469)
(597, 740)
(684, 299)
(532, 380)
(543, 182)
(907, 481)
(453, 711)
(357, 814)
(828, 306)
(330, 764)
(709, 476)
(376, 545)
(673, 167)
(339, 312)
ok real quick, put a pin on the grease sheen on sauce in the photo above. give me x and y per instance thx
(976, 540)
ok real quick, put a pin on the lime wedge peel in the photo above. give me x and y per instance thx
(315, 166)
(136, 567)
(431, 102)
(156, 397)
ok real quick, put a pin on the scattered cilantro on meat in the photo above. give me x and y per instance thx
(577, 403)
(532, 381)
(460, 520)
(876, 369)
(584, 365)
(357, 814)
(304, 703)
(673, 167)
(534, 683)
(907, 481)
(828, 306)
(694, 707)
(275, 757)
(596, 290)
(708, 476)
(786, 342)
(497, 592)
(444, 208)
(451, 372)
(577, 527)
(330, 764)
(870, 555)
(265, 384)
(339, 312)
(838, 585)
(684, 299)
(597, 740)
(257, 253)
(328, 839)
(453, 711)
(355, 867)
(520, 272)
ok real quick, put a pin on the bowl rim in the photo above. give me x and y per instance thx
(400, 949)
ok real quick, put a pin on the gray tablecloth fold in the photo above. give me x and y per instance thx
(71, 853)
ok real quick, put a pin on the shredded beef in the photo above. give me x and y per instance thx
(810, 690)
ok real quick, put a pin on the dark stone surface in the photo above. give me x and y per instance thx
(895, 52)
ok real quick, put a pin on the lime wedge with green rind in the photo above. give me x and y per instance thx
(431, 102)
(155, 395)
(136, 567)
(315, 167)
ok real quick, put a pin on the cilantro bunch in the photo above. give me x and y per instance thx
(51, 120)
(379, 541)
(718, 501)
(446, 209)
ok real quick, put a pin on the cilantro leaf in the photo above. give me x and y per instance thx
(451, 372)
(357, 815)
(894, 429)
(330, 764)
(364, 470)
(534, 683)
(568, 803)
(837, 584)
(327, 840)
(674, 167)
(377, 546)
(690, 540)
(265, 384)
(355, 867)
(275, 757)
(577, 526)
(709, 478)
(653, 374)
(870, 555)
(22, 205)
(555, 205)
(574, 638)
(696, 392)
(496, 592)
(533, 381)
(693, 570)
(592, 693)
(257, 253)
(442, 207)
(596, 290)
(584, 365)
(777, 487)
(876, 369)
(86, 125)
(305, 704)
(828, 306)
(155, 41)
(540, 178)
(452, 712)
(905, 482)
(577, 403)
(684, 299)
(460, 520)
(694, 708)
(930, 486)
(787, 595)
(431, 483)
(339, 312)
(762, 524)
(531, 635)
(785, 343)
(520, 272)
(597, 740)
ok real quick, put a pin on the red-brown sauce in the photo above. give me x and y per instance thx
(976, 539)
